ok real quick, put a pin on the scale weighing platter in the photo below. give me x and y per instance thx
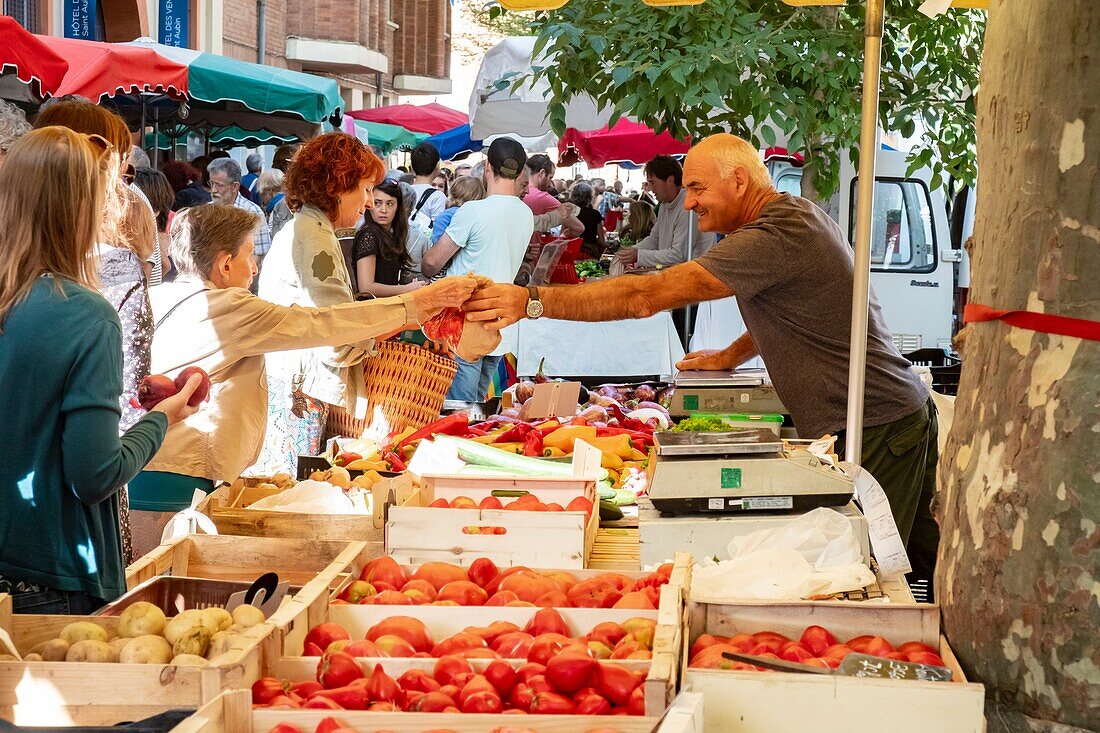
(747, 391)
(731, 378)
(740, 442)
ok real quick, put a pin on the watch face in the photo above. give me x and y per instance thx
(534, 308)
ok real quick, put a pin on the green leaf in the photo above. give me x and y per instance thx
(620, 74)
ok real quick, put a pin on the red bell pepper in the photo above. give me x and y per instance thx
(397, 463)
(457, 424)
(532, 444)
(515, 434)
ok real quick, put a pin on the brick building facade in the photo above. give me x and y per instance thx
(375, 49)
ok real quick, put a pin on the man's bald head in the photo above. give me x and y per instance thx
(724, 177)
(729, 152)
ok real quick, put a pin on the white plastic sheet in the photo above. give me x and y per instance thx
(315, 497)
(817, 553)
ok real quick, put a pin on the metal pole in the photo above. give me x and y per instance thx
(261, 28)
(142, 143)
(865, 206)
(156, 138)
(688, 310)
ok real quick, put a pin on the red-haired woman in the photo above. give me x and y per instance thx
(328, 188)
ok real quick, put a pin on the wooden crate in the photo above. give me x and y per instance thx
(759, 702)
(228, 508)
(301, 562)
(233, 713)
(418, 534)
(63, 693)
(294, 621)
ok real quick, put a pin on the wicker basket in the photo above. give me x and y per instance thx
(406, 382)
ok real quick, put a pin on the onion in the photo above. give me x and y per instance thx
(593, 413)
(645, 393)
(645, 414)
(524, 390)
(608, 390)
(511, 412)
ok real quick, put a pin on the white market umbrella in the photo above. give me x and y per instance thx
(523, 113)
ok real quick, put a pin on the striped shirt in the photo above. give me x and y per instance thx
(262, 240)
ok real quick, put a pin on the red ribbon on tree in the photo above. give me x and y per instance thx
(1041, 322)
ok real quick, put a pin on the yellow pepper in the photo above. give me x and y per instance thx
(552, 452)
(565, 437)
(516, 448)
(611, 461)
(618, 444)
(485, 439)
(637, 455)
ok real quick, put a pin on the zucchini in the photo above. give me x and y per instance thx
(509, 493)
(609, 512)
(487, 455)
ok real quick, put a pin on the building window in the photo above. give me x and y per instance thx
(27, 13)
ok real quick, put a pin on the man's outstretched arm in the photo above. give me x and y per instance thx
(612, 299)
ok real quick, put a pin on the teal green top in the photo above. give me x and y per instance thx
(64, 462)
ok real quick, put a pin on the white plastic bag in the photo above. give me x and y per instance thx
(817, 553)
(188, 521)
(823, 537)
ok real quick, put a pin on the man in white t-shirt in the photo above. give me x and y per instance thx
(487, 237)
(430, 201)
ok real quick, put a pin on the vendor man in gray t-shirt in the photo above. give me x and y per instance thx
(791, 269)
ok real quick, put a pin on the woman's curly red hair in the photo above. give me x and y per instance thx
(328, 166)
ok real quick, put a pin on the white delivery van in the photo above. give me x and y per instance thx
(914, 261)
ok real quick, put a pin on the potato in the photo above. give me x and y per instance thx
(181, 624)
(220, 643)
(32, 657)
(117, 645)
(216, 619)
(283, 480)
(83, 631)
(53, 650)
(146, 650)
(90, 650)
(195, 642)
(141, 619)
(247, 616)
(11, 658)
(188, 660)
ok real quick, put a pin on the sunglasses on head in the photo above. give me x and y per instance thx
(100, 144)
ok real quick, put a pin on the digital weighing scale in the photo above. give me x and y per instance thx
(723, 392)
(741, 471)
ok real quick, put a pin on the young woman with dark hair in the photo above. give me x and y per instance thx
(380, 254)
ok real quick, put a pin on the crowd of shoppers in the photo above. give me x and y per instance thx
(150, 271)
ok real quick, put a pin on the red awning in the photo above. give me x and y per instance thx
(29, 71)
(98, 70)
(627, 141)
(431, 118)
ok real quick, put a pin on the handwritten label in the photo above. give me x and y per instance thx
(861, 665)
(886, 542)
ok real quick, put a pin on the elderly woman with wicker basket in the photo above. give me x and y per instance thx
(328, 187)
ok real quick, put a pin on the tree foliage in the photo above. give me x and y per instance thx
(744, 65)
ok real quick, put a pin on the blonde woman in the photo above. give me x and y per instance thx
(127, 242)
(60, 480)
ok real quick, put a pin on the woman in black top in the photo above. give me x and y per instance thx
(379, 253)
(592, 240)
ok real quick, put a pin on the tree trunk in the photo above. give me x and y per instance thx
(831, 205)
(1019, 563)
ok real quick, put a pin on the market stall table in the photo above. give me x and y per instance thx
(641, 347)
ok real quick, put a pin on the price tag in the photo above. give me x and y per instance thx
(586, 460)
(551, 399)
(863, 665)
(435, 457)
(886, 542)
